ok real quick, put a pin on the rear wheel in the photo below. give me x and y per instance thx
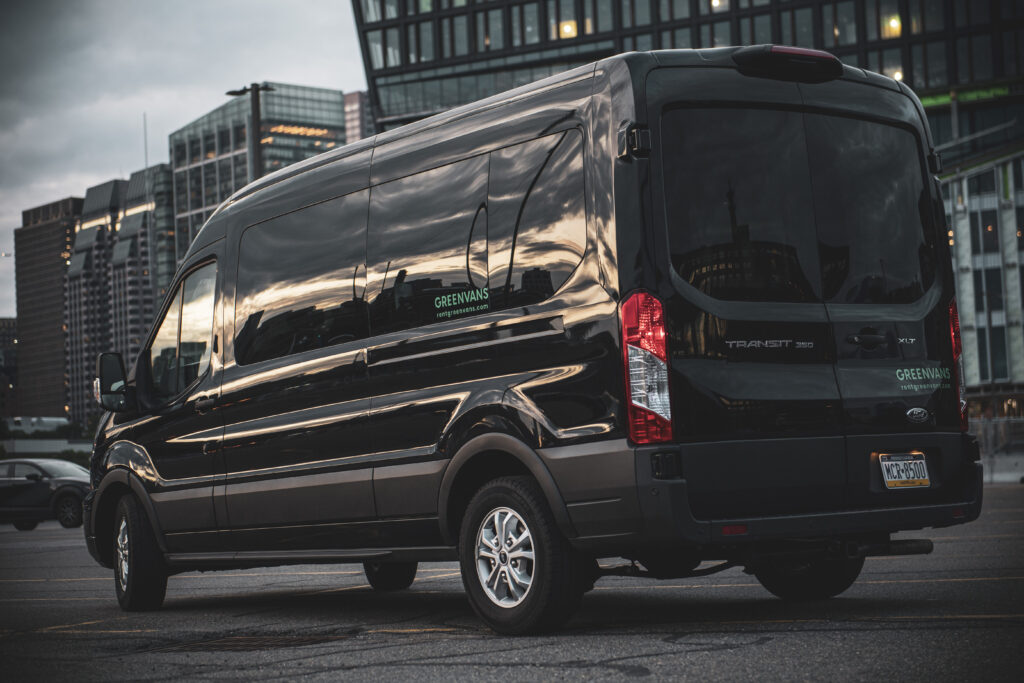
(809, 579)
(69, 511)
(140, 577)
(390, 576)
(25, 526)
(521, 575)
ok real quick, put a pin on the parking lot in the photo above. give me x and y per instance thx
(955, 615)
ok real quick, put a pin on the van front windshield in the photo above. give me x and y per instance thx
(775, 205)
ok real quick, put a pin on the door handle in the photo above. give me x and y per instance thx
(205, 403)
(867, 340)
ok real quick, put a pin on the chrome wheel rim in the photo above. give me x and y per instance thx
(122, 554)
(505, 562)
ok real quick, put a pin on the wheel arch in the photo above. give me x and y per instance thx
(116, 483)
(486, 457)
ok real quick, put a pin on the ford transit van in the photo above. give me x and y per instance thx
(693, 309)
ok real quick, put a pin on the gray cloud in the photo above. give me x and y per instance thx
(77, 76)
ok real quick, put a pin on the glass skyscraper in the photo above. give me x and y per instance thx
(210, 159)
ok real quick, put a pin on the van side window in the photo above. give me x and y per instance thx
(426, 247)
(538, 230)
(181, 349)
(300, 281)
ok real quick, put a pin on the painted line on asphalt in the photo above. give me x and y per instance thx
(63, 626)
(919, 617)
(859, 582)
(411, 630)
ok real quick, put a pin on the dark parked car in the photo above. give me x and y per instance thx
(36, 489)
(672, 307)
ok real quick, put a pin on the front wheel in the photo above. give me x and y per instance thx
(521, 575)
(390, 576)
(69, 511)
(140, 577)
(809, 579)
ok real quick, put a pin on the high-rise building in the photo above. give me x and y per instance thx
(8, 367)
(964, 58)
(210, 157)
(88, 294)
(358, 117)
(42, 250)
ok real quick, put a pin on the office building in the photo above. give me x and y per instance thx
(964, 58)
(88, 294)
(210, 158)
(8, 367)
(358, 117)
(42, 250)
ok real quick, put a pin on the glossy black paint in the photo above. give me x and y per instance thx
(343, 417)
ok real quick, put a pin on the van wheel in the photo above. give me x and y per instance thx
(390, 576)
(140, 577)
(521, 575)
(815, 579)
(25, 526)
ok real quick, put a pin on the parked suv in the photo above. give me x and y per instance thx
(33, 490)
(673, 307)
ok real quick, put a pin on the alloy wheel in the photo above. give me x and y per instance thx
(505, 560)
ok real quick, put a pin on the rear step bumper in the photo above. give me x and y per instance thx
(668, 518)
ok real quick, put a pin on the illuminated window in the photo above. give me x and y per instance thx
(883, 19)
(562, 23)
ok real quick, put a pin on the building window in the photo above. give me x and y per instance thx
(974, 58)
(679, 38)
(392, 53)
(1013, 53)
(883, 19)
(926, 16)
(886, 62)
(929, 65)
(597, 16)
(562, 24)
(673, 10)
(839, 23)
(715, 35)
(375, 46)
(971, 12)
(636, 13)
(712, 6)
(371, 10)
(460, 35)
(525, 24)
(756, 30)
(414, 7)
(390, 9)
(796, 27)
(996, 350)
(490, 30)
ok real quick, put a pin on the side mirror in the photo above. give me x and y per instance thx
(110, 387)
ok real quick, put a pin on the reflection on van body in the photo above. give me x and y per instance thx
(653, 308)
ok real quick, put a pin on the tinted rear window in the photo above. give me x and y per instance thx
(772, 205)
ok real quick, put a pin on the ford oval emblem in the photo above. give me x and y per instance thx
(918, 415)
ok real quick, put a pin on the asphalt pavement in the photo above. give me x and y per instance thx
(955, 615)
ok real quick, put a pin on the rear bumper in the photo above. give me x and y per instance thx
(665, 518)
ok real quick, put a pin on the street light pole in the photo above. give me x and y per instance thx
(255, 150)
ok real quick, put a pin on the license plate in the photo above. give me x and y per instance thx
(904, 470)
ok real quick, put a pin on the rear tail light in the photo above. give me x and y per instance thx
(954, 335)
(645, 358)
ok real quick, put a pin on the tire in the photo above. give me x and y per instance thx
(815, 579)
(390, 576)
(140, 577)
(534, 583)
(68, 510)
(25, 526)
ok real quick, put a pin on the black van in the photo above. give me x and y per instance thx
(673, 307)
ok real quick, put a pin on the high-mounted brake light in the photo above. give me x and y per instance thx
(954, 335)
(645, 357)
(787, 63)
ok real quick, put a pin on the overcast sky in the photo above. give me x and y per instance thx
(77, 75)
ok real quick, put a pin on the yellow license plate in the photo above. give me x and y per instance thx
(904, 470)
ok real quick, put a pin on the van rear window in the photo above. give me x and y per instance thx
(773, 205)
